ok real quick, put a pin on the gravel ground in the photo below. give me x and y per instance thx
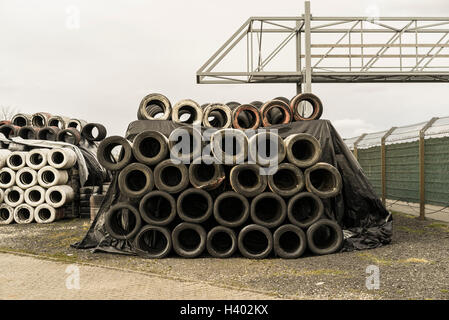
(414, 266)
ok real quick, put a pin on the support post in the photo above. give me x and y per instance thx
(308, 55)
(356, 143)
(384, 164)
(422, 177)
(298, 54)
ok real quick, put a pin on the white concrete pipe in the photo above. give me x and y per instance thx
(26, 178)
(61, 158)
(58, 196)
(48, 177)
(6, 214)
(7, 177)
(37, 158)
(34, 196)
(14, 196)
(45, 213)
(2, 195)
(16, 160)
(24, 214)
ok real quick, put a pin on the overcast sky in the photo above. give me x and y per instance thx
(124, 50)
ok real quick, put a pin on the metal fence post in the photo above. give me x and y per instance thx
(422, 177)
(356, 143)
(383, 164)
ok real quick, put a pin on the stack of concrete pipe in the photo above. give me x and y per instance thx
(34, 185)
(252, 115)
(44, 126)
(216, 198)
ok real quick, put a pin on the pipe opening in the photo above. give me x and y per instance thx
(231, 209)
(36, 159)
(323, 180)
(56, 123)
(155, 109)
(68, 137)
(136, 180)
(189, 239)
(276, 115)
(305, 109)
(27, 133)
(305, 209)
(187, 143)
(20, 121)
(289, 241)
(247, 178)
(16, 160)
(113, 153)
(217, 118)
(231, 145)
(48, 176)
(55, 196)
(47, 134)
(44, 214)
(171, 176)
(5, 177)
(26, 178)
(204, 172)
(35, 195)
(246, 119)
(24, 214)
(157, 207)
(14, 196)
(268, 209)
(187, 114)
(221, 242)
(75, 125)
(38, 120)
(255, 242)
(4, 214)
(303, 150)
(194, 205)
(325, 237)
(152, 241)
(122, 221)
(150, 147)
(285, 179)
(57, 157)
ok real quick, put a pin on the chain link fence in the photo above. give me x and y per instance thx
(409, 165)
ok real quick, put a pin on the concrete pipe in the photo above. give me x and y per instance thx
(246, 116)
(185, 144)
(7, 177)
(61, 158)
(94, 132)
(158, 208)
(28, 133)
(135, 180)
(324, 237)
(229, 146)
(45, 213)
(48, 133)
(287, 181)
(268, 209)
(257, 104)
(303, 150)
(218, 116)
(232, 104)
(58, 196)
(221, 242)
(37, 158)
(122, 221)
(247, 180)
(289, 241)
(16, 160)
(26, 178)
(189, 239)
(299, 110)
(154, 106)
(24, 214)
(171, 177)
(13, 196)
(40, 119)
(77, 124)
(35, 196)
(205, 173)
(150, 147)
(58, 121)
(194, 205)
(255, 241)
(283, 99)
(48, 177)
(21, 120)
(267, 149)
(275, 106)
(231, 209)
(2, 195)
(304, 209)
(3, 122)
(4, 153)
(153, 242)
(6, 214)
(114, 153)
(187, 112)
(69, 135)
(9, 130)
(324, 180)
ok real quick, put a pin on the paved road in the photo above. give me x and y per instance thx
(25, 277)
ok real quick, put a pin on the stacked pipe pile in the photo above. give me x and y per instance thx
(44, 126)
(34, 185)
(223, 191)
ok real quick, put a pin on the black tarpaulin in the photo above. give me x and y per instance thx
(365, 221)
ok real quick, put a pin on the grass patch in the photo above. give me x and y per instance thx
(389, 262)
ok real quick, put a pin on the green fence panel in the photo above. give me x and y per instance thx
(370, 161)
(436, 170)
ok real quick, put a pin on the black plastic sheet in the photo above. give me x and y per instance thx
(357, 209)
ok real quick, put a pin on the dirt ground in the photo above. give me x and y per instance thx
(414, 266)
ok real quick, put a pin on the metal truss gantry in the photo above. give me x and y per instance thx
(337, 49)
